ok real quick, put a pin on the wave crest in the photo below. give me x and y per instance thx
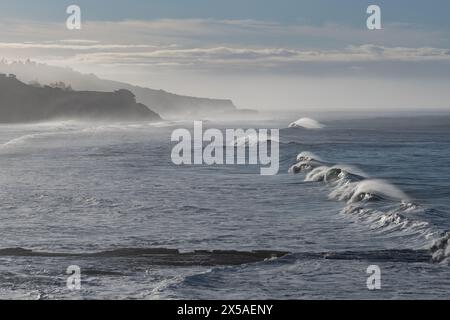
(306, 123)
(308, 156)
(441, 249)
(376, 202)
(335, 174)
(370, 189)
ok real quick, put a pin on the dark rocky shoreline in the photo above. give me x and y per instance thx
(22, 103)
(160, 256)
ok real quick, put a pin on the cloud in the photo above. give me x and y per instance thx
(255, 57)
(216, 31)
(256, 63)
(83, 45)
(229, 46)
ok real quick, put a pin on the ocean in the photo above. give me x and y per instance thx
(98, 195)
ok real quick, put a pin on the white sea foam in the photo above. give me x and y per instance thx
(441, 249)
(380, 188)
(317, 174)
(335, 173)
(308, 156)
(366, 190)
(307, 123)
(304, 166)
(377, 202)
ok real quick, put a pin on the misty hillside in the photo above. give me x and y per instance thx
(20, 102)
(168, 105)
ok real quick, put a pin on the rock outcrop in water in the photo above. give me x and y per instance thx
(21, 103)
(160, 256)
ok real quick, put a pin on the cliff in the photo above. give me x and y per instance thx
(174, 105)
(20, 103)
(167, 104)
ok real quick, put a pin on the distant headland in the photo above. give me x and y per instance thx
(22, 103)
(168, 105)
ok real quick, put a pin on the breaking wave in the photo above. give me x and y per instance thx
(369, 189)
(378, 203)
(308, 156)
(306, 161)
(306, 123)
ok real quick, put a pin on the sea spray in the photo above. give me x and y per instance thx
(190, 149)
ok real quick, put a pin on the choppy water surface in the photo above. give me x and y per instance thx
(366, 192)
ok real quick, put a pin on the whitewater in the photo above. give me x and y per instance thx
(105, 196)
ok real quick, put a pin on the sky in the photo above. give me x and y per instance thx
(279, 54)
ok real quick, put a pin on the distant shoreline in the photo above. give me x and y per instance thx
(23, 103)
